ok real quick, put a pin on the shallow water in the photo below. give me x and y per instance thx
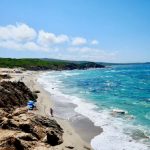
(97, 92)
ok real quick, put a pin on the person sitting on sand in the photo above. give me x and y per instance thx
(51, 112)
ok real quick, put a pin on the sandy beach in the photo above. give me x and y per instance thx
(71, 136)
(44, 103)
(79, 131)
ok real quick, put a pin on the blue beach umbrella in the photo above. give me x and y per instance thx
(30, 104)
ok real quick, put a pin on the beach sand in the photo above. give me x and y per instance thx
(71, 135)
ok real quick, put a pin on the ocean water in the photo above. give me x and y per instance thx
(96, 92)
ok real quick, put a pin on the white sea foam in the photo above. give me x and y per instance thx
(147, 116)
(113, 136)
(67, 73)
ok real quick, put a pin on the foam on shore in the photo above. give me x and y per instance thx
(113, 136)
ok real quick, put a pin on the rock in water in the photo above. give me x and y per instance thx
(119, 111)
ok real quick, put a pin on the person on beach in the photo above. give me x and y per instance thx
(51, 112)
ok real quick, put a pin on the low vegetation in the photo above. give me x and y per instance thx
(41, 64)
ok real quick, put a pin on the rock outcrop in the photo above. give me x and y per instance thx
(14, 94)
(23, 130)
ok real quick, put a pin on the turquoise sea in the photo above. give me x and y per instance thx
(97, 92)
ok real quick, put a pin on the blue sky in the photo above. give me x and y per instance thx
(95, 30)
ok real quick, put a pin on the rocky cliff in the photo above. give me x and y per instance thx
(14, 94)
(20, 129)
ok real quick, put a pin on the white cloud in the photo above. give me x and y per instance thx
(94, 42)
(10, 45)
(80, 49)
(18, 32)
(22, 37)
(46, 38)
(79, 41)
(91, 54)
(31, 46)
(62, 38)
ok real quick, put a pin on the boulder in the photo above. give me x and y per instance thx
(119, 111)
(53, 137)
(31, 128)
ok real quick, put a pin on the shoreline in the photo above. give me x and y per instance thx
(103, 119)
(44, 103)
(81, 124)
(71, 138)
(74, 136)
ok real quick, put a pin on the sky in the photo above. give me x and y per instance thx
(94, 30)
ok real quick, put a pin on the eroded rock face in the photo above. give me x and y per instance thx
(11, 143)
(29, 129)
(14, 94)
(53, 137)
(17, 141)
(20, 129)
(3, 113)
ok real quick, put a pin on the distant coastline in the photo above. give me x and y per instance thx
(45, 64)
(37, 64)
